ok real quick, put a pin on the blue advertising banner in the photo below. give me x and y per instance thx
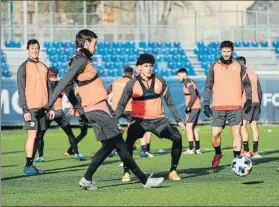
(11, 113)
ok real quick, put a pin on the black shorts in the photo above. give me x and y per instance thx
(219, 118)
(161, 127)
(128, 116)
(193, 117)
(35, 124)
(60, 118)
(253, 114)
(105, 125)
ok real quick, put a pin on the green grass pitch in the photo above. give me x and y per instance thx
(200, 185)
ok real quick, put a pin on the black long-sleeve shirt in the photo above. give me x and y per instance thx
(66, 84)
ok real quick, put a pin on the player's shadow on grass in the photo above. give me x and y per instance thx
(129, 183)
(253, 182)
(192, 172)
(264, 160)
(270, 152)
(168, 150)
(3, 166)
(25, 176)
(12, 152)
(58, 170)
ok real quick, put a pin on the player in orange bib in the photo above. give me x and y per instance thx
(148, 91)
(253, 115)
(226, 79)
(93, 98)
(193, 109)
(146, 139)
(33, 95)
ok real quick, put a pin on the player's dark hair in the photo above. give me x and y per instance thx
(32, 42)
(182, 70)
(227, 43)
(84, 35)
(128, 71)
(52, 71)
(241, 60)
(146, 58)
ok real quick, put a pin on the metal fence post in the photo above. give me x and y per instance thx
(25, 23)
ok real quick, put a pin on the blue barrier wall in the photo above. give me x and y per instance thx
(11, 113)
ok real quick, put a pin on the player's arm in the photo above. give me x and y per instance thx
(192, 91)
(66, 83)
(246, 83)
(168, 99)
(126, 95)
(208, 86)
(260, 92)
(21, 84)
(73, 98)
(50, 91)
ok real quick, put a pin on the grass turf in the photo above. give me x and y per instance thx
(200, 184)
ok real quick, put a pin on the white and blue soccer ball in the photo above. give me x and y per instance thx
(242, 166)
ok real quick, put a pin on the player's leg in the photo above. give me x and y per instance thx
(192, 133)
(235, 120)
(196, 113)
(145, 145)
(29, 148)
(190, 136)
(106, 131)
(128, 161)
(83, 132)
(32, 127)
(254, 127)
(135, 131)
(245, 138)
(39, 145)
(247, 118)
(197, 140)
(218, 123)
(147, 137)
(255, 131)
(163, 129)
(62, 120)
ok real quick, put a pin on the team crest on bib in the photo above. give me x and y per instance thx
(32, 124)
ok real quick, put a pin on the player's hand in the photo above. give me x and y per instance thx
(71, 112)
(119, 126)
(27, 116)
(182, 125)
(51, 114)
(40, 113)
(247, 106)
(83, 118)
(207, 111)
(188, 110)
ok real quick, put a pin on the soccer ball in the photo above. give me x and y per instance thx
(242, 166)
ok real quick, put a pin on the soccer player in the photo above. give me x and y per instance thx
(93, 95)
(253, 115)
(193, 109)
(116, 89)
(147, 91)
(226, 78)
(60, 118)
(33, 95)
(146, 139)
(83, 124)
